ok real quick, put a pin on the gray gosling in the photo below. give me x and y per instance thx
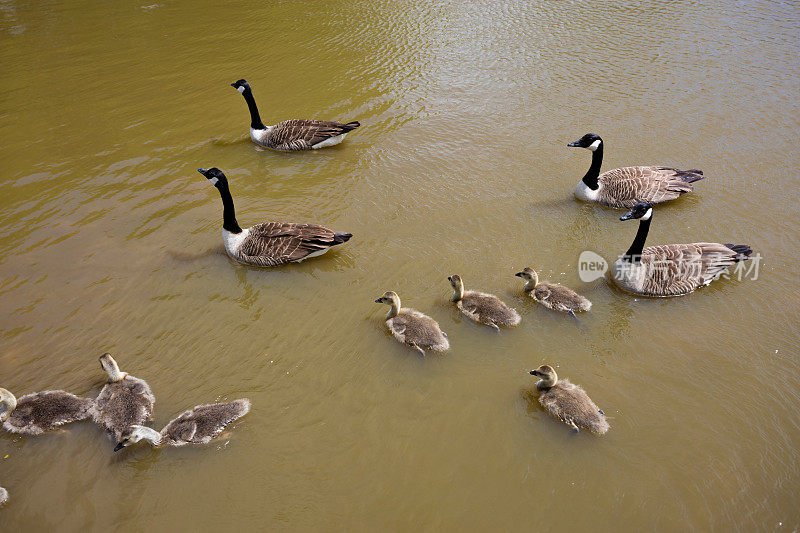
(123, 402)
(552, 295)
(196, 426)
(481, 307)
(568, 402)
(3, 495)
(413, 328)
(35, 413)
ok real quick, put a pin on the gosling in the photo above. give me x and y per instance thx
(199, 425)
(413, 328)
(568, 402)
(123, 402)
(36, 413)
(482, 308)
(552, 295)
(3, 495)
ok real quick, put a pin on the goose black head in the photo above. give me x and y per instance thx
(641, 210)
(214, 175)
(589, 141)
(241, 85)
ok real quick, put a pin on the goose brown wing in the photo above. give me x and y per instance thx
(623, 187)
(274, 243)
(681, 268)
(304, 134)
(42, 411)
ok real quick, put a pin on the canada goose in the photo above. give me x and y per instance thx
(552, 295)
(196, 426)
(35, 413)
(269, 243)
(413, 328)
(568, 402)
(123, 402)
(482, 308)
(623, 187)
(292, 135)
(3, 495)
(671, 269)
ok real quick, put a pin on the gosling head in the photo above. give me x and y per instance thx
(548, 375)
(132, 435)
(642, 210)
(8, 402)
(529, 275)
(389, 297)
(241, 86)
(590, 141)
(215, 176)
(458, 287)
(112, 369)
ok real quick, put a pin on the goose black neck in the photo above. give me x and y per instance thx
(590, 179)
(634, 253)
(255, 118)
(228, 213)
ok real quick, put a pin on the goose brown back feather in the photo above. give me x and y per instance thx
(623, 187)
(677, 269)
(298, 134)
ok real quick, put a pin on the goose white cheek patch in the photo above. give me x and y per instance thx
(240, 89)
(214, 181)
(648, 214)
(594, 145)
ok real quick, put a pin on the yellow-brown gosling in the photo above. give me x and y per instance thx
(481, 307)
(568, 402)
(553, 295)
(35, 413)
(413, 328)
(123, 402)
(196, 426)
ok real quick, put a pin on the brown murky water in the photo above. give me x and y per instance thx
(110, 241)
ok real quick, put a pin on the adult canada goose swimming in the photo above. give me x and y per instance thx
(671, 269)
(269, 243)
(623, 187)
(413, 328)
(292, 135)
(123, 402)
(196, 426)
(482, 308)
(35, 413)
(552, 295)
(568, 402)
